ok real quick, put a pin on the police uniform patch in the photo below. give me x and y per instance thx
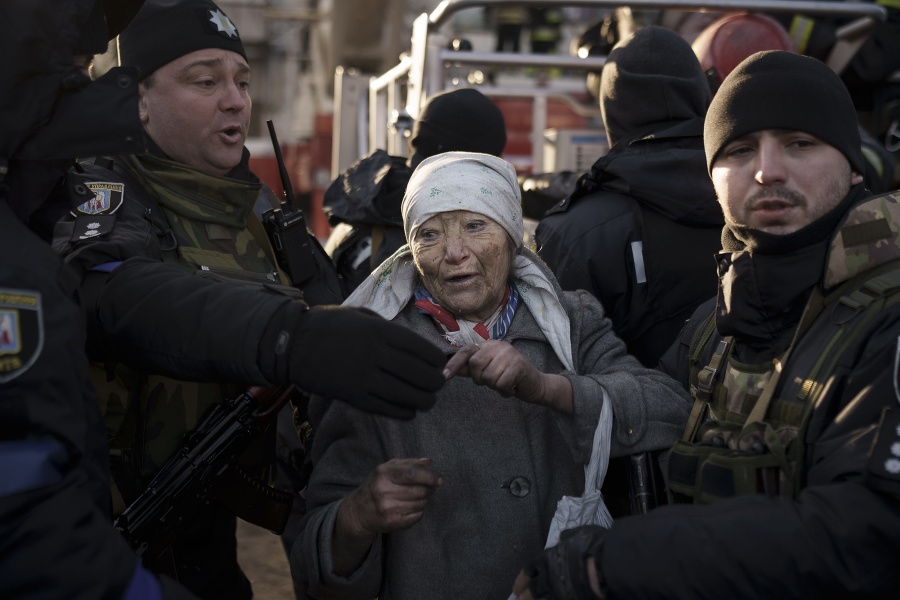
(107, 198)
(87, 227)
(21, 332)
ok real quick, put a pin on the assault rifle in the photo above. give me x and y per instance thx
(644, 479)
(206, 469)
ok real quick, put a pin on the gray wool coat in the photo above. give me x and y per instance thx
(505, 464)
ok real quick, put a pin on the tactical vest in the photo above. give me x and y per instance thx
(200, 221)
(745, 434)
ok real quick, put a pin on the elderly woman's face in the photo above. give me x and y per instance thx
(464, 259)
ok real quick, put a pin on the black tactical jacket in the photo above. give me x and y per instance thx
(640, 232)
(839, 537)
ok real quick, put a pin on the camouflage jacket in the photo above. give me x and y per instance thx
(745, 408)
(145, 206)
(835, 533)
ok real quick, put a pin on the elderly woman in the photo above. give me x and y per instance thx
(453, 502)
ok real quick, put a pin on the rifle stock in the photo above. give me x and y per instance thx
(205, 469)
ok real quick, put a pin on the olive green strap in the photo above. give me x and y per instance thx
(701, 390)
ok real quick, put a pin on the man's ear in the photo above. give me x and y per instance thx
(855, 178)
(142, 104)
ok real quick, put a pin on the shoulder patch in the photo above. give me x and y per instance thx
(21, 332)
(107, 198)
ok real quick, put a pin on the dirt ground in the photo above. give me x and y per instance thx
(262, 558)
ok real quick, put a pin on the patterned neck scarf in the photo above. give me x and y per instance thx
(460, 332)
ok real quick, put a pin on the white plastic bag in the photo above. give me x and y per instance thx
(589, 509)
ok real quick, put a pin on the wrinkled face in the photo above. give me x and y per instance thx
(197, 109)
(779, 181)
(464, 259)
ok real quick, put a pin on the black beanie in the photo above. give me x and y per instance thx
(782, 90)
(463, 120)
(165, 30)
(650, 77)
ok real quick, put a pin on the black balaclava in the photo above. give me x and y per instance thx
(165, 30)
(649, 78)
(463, 120)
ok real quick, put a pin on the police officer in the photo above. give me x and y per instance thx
(56, 538)
(181, 288)
(787, 479)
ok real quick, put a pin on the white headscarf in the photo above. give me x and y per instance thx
(483, 184)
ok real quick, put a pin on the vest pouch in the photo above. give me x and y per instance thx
(751, 462)
(735, 473)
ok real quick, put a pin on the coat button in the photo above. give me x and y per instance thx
(519, 487)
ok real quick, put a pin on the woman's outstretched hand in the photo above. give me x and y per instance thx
(499, 366)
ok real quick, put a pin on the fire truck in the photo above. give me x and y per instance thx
(553, 124)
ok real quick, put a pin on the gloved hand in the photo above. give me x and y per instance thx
(560, 573)
(353, 355)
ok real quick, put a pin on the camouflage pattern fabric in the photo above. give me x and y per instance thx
(727, 452)
(740, 388)
(869, 236)
(147, 416)
(207, 215)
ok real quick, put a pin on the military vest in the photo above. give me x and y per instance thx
(745, 434)
(201, 222)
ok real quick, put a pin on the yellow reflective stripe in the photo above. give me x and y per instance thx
(801, 29)
(873, 159)
(889, 3)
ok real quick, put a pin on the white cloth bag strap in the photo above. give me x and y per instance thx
(595, 471)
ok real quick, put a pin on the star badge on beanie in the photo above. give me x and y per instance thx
(165, 30)
(223, 23)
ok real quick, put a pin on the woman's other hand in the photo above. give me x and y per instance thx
(392, 498)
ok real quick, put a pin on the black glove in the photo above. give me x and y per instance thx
(353, 355)
(560, 573)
